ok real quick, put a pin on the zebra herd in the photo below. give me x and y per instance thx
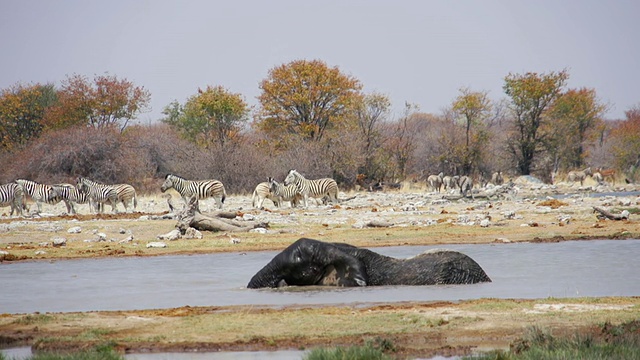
(463, 183)
(296, 188)
(85, 191)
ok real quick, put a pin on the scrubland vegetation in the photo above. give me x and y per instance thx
(311, 117)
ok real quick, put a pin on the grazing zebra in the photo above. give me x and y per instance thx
(466, 186)
(449, 182)
(435, 181)
(98, 193)
(575, 176)
(41, 193)
(260, 193)
(126, 195)
(13, 195)
(283, 192)
(72, 195)
(200, 188)
(318, 188)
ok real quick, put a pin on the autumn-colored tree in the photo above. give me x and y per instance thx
(401, 140)
(626, 138)
(22, 109)
(472, 109)
(305, 98)
(370, 113)
(214, 115)
(531, 96)
(107, 101)
(574, 117)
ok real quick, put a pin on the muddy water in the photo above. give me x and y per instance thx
(523, 270)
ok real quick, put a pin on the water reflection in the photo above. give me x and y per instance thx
(523, 270)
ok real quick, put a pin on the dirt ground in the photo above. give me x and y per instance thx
(411, 216)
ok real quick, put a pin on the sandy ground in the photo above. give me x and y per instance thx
(410, 216)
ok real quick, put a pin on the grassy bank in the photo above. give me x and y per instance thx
(413, 328)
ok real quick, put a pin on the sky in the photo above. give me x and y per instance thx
(416, 52)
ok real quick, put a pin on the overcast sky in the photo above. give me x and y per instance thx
(421, 52)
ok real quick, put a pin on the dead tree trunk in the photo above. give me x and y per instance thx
(609, 215)
(222, 221)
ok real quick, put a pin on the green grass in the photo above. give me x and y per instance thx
(372, 350)
(611, 343)
(99, 353)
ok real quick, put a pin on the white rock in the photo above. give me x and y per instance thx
(102, 236)
(75, 230)
(259, 230)
(248, 217)
(59, 241)
(485, 223)
(171, 235)
(625, 202)
(2, 252)
(156, 244)
(127, 239)
(40, 252)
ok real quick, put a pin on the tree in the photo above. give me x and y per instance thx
(305, 98)
(575, 114)
(402, 139)
(22, 109)
(214, 115)
(373, 110)
(531, 95)
(107, 101)
(472, 109)
(626, 138)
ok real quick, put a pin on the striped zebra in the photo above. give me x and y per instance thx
(317, 188)
(260, 193)
(41, 193)
(72, 194)
(201, 189)
(11, 194)
(98, 193)
(126, 195)
(283, 192)
(465, 183)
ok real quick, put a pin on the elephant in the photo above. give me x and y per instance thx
(314, 262)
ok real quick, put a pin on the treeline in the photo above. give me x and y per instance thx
(313, 118)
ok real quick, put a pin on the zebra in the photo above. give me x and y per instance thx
(41, 193)
(317, 188)
(13, 195)
(72, 195)
(449, 182)
(435, 181)
(579, 175)
(262, 192)
(466, 186)
(98, 193)
(199, 188)
(283, 192)
(126, 194)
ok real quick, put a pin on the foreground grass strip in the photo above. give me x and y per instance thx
(351, 353)
(609, 342)
(96, 354)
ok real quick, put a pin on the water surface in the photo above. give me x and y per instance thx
(521, 270)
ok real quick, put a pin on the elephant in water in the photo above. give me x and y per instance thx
(313, 262)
